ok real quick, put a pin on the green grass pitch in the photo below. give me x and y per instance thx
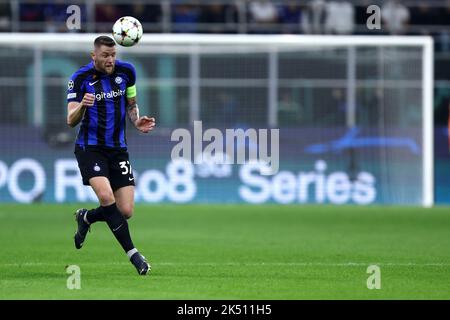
(230, 252)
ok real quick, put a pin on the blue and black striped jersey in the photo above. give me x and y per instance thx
(103, 124)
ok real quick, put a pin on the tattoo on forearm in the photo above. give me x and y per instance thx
(132, 114)
(133, 110)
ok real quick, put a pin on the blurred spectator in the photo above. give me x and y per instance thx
(5, 16)
(263, 13)
(31, 16)
(219, 18)
(290, 17)
(444, 20)
(361, 14)
(395, 17)
(444, 41)
(223, 111)
(423, 16)
(444, 14)
(368, 114)
(228, 111)
(147, 13)
(340, 17)
(340, 100)
(150, 15)
(313, 20)
(441, 106)
(288, 110)
(185, 18)
(105, 16)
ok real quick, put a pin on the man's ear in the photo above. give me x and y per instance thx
(92, 55)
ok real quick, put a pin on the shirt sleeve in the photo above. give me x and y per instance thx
(74, 89)
(130, 72)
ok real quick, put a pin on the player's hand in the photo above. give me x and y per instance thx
(88, 100)
(145, 124)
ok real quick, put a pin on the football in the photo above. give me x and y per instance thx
(127, 31)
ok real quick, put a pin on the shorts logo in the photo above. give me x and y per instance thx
(70, 85)
(118, 80)
(97, 168)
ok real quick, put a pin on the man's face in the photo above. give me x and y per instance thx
(104, 58)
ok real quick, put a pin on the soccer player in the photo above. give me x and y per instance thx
(100, 95)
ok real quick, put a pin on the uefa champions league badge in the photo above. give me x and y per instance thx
(97, 168)
(118, 80)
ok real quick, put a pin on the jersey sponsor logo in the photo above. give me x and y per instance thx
(118, 80)
(109, 95)
(92, 83)
(71, 95)
(70, 85)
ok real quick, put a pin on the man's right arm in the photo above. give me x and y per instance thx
(75, 110)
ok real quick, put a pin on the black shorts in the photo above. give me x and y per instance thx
(111, 163)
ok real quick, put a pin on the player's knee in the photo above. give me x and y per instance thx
(106, 197)
(127, 210)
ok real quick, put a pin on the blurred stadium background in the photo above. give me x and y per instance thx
(355, 114)
(359, 125)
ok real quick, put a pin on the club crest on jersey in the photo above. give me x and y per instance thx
(97, 168)
(70, 85)
(118, 80)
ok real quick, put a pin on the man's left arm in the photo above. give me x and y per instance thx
(143, 124)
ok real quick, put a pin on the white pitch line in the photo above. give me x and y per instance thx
(249, 264)
(306, 264)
